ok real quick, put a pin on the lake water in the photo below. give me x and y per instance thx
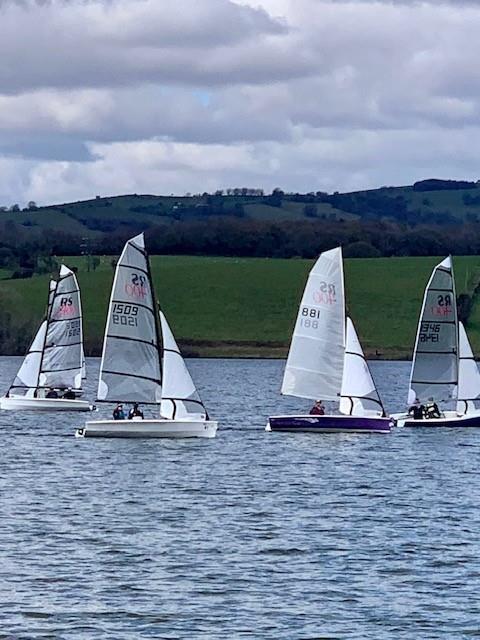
(249, 535)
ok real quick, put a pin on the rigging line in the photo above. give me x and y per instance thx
(428, 382)
(130, 266)
(143, 402)
(64, 293)
(134, 246)
(438, 353)
(65, 319)
(52, 346)
(151, 344)
(59, 370)
(133, 304)
(131, 375)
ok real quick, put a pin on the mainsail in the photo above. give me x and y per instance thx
(435, 361)
(468, 375)
(180, 398)
(53, 359)
(359, 396)
(61, 364)
(130, 367)
(315, 360)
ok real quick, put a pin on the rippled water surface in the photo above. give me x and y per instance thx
(249, 535)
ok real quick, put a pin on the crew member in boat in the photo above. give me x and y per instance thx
(69, 394)
(135, 412)
(432, 410)
(318, 409)
(118, 413)
(51, 393)
(417, 410)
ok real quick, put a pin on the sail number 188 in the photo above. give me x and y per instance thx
(309, 318)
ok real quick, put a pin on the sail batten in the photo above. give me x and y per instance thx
(315, 361)
(130, 369)
(434, 371)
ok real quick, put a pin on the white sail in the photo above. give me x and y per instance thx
(359, 396)
(468, 375)
(315, 360)
(180, 399)
(130, 367)
(61, 365)
(435, 360)
(26, 380)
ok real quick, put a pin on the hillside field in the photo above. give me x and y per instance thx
(247, 307)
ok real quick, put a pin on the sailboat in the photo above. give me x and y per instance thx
(443, 366)
(138, 348)
(53, 364)
(326, 360)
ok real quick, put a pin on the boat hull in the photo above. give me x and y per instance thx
(148, 429)
(329, 424)
(449, 419)
(19, 403)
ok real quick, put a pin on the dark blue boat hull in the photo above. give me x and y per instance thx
(455, 423)
(329, 424)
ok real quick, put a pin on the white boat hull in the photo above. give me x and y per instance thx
(149, 428)
(20, 403)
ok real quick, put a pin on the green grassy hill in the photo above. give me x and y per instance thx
(93, 218)
(228, 306)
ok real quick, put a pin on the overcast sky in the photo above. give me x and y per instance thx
(158, 96)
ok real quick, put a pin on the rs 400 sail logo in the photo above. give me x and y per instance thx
(66, 307)
(136, 288)
(325, 294)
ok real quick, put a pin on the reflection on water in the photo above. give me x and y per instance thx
(250, 535)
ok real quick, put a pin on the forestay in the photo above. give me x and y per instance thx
(468, 375)
(315, 360)
(180, 399)
(61, 364)
(435, 361)
(359, 396)
(130, 367)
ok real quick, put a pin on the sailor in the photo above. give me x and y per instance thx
(432, 410)
(118, 413)
(69, 394)
(318, 409)
(51, 393)
(135, 412)
(417, 410)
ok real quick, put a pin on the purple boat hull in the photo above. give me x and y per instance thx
(329, 424)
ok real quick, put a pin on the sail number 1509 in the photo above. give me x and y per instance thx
(124, 314)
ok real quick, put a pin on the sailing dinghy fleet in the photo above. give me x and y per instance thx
(142, 364)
